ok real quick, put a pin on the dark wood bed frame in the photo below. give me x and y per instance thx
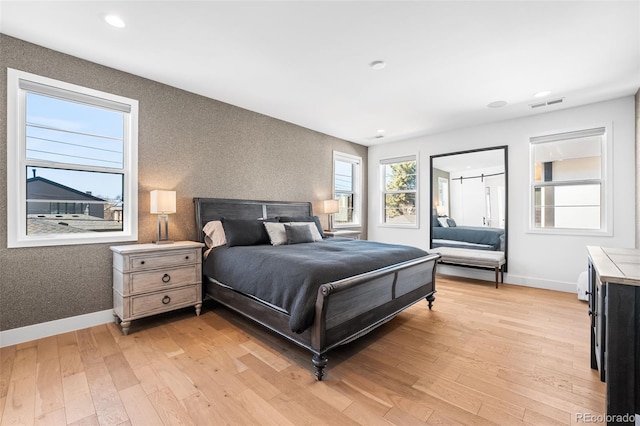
(344, 309)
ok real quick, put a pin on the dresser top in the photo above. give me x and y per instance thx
(616, 265)
(141, 248)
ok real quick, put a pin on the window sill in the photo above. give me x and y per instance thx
(399, 226)
(59, 240)
(569, 232)
(348, 226)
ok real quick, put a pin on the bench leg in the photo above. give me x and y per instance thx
(496, 268)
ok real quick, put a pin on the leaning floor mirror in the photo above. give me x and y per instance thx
(469, 199)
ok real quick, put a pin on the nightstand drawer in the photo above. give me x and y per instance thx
(140, 282)
(159, 260)
(164, 301)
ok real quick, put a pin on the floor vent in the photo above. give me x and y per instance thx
(547, 103)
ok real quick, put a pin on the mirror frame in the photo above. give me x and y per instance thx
(505, 149)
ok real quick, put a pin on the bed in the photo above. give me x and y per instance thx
(472, 237)
(327, 309)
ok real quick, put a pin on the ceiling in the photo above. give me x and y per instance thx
(308, 62)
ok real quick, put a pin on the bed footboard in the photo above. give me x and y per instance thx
(350, 308)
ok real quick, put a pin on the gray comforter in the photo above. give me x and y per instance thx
(288, 276)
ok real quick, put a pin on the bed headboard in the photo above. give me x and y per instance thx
(208, 209)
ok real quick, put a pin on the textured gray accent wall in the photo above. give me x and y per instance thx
(434, 185)
(198, 146)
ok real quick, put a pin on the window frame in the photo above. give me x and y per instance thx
(605, 181)
(383, 192)
(356, 161)
(17, 162)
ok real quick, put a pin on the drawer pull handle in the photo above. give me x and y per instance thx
(166, 300)
(142, 262)
(186, 257)
(166, 278)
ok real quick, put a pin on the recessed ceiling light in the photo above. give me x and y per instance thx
(378, 65)
(542, 94)
(115, 21)
(497, 104)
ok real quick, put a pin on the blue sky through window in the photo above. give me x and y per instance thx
(76, 135)
(343, 176)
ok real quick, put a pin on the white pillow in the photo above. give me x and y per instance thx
(278, 235)
(443, 222)
(214, 234)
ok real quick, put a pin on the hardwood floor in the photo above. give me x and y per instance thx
(507, 356)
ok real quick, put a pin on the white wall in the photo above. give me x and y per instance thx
(538, 260)
(468, 199)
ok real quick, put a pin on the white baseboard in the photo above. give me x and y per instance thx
(486, 275)
(567, 287)
(51, 328)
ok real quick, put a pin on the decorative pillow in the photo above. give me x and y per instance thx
(214, 234)
(243, 232)
(312, 227)
(314, 219)
(434, 221)
(276, 232)
(443, 222)
(298, 234)
(451, 222)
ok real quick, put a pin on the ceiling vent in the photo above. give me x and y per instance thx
(547, 103)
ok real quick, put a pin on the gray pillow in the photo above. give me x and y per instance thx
(242, 232)
(313, 219)
(298, 234)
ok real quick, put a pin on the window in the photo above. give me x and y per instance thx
(568, 182)
(71, 162)
(347, 189)
(400, 191)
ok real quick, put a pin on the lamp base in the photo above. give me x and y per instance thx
(163, 242)
(163, 239)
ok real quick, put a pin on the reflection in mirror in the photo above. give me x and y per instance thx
(469, 199)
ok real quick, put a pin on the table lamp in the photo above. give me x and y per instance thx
(330, 207)
(163, 203)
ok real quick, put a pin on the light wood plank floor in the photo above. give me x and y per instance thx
(507, 356)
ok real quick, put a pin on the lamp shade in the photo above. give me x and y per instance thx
(163, 202)
(329, 206)
(440, 210)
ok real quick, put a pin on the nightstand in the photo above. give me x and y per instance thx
(343, 233)
(149, 279)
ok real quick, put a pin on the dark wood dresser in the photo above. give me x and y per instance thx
(614, 306)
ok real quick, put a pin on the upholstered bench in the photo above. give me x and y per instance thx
(476, 258)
